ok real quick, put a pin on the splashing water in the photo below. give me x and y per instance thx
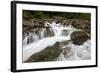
(77, 52)
(61, 34)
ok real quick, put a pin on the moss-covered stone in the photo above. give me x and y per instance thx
(48, 54)
(79, 37)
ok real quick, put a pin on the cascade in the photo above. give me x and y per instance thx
(35, 42)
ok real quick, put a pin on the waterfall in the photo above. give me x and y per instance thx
(54, 31)
(31, 37)
(25, 41)
(35, 42)
(35, 37)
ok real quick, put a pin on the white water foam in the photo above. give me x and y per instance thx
(77, 52)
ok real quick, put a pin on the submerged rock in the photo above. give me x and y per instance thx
(79, 37)
(48, 32)
(65, 32)
(48, 54)
(67, 51)
(29, 40)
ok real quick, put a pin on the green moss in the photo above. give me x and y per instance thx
(47, 14)
(79, 37)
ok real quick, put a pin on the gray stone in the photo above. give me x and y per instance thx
(48, 54)
(79, 37)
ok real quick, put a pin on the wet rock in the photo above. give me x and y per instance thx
(48, 54)
(29, 40)
(67, 52)
(79, 37)
(82, 24)
(65, 22)
(49, 32)
(64, 44)
(65, 32)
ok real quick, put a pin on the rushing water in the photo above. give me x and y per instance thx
(35, 42)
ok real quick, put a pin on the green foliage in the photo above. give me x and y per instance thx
(46, 14)
(86, 16)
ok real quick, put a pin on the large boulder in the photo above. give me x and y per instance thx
(48, 54)
(79, 37)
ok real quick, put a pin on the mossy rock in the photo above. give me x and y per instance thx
(79, 37)
(48, 54)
